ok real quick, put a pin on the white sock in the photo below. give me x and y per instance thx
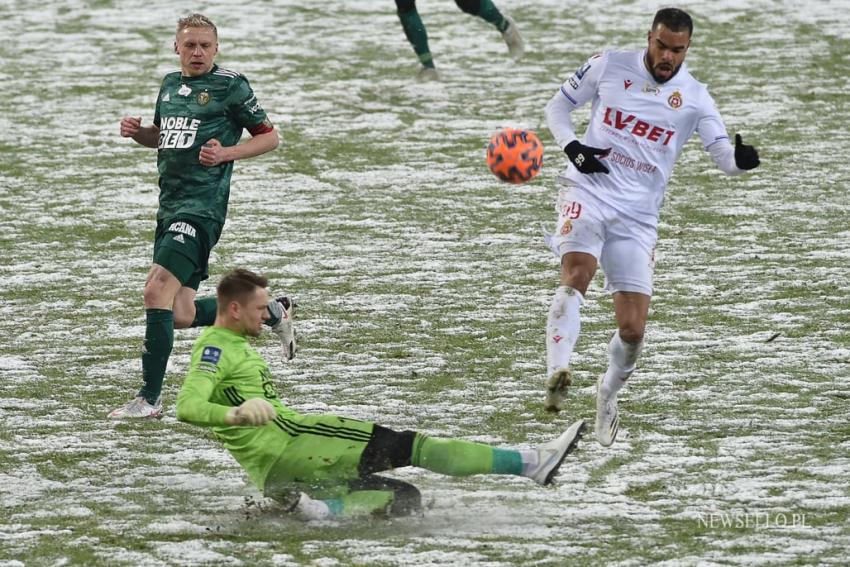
(622, 360)
(562, 328)
(530, 458)
(310, 509)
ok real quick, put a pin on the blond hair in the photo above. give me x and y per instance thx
(196, 21)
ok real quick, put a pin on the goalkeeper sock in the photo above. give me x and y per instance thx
(622, 360)
(159, 339)
(416, 34)
(355, 503)
(205, 310)
(562, 328)
(455, 457)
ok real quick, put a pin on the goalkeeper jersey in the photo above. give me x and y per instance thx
(189, 112)
(225, 370)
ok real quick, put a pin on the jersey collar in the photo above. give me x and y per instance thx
(184, 78)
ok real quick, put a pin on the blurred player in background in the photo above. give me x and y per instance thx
(417, 35)
(644, 106)
(322, 465)
(200, 113)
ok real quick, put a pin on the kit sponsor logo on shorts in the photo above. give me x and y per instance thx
(183, 227)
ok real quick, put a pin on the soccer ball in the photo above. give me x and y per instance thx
(515, 155)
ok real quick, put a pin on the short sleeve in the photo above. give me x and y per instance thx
(243, 105)
(157, 117)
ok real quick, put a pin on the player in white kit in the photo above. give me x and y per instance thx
(644, 106)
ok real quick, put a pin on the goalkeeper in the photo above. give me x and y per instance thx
(322, 465)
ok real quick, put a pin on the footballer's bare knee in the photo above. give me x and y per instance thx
(631, 326)
(631, 335)
(577, 270)
(160, 288)
(154, 296)
(631, 310)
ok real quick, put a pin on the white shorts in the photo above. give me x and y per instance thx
(623, 247)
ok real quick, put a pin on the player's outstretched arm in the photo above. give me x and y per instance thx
(131, 127)
(193, 405)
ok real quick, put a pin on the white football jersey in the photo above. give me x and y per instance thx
(644, 123)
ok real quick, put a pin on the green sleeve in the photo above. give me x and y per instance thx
(193, 405)
(243, 106)
(207, 368)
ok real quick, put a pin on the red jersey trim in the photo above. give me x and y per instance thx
(260, 128)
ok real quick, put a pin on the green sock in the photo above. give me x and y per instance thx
(416, 34)
(454, 457)
(507, 461)
(205, 309)
(159, 338)
(335, 506)
(490, 13)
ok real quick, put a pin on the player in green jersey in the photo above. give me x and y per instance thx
(417, 35)
(322, 465)
(200, 114)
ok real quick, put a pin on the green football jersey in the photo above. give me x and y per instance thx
(224, 372)
(189, 112)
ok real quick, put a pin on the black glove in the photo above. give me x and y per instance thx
(746, 157)
(584, 157)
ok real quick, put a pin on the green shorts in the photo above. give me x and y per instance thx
(323, 454)
(182, 246)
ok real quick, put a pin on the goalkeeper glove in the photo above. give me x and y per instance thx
(584, 157)
(255, 412)
(746, 157)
